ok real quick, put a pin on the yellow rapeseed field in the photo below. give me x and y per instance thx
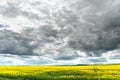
(83, 72)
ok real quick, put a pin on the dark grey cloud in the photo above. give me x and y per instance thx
(90, 26)
(65, 58)
(64, 55)
(97, 60)
(14, 43)
(100, 30)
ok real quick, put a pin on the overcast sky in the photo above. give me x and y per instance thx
(60, 32)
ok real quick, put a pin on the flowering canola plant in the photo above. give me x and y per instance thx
(83, 72)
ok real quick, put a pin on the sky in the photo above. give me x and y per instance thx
(59, 32)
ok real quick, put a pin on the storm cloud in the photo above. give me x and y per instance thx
(61, 30)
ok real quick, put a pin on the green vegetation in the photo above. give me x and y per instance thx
(85, 72)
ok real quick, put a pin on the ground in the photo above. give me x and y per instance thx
(80, 72)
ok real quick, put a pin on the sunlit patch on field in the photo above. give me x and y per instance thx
(86, 72)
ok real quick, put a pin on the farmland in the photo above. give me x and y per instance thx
(81, 72)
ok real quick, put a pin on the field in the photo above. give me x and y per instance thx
(83, 72)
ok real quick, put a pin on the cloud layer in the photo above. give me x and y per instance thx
(61, 30)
